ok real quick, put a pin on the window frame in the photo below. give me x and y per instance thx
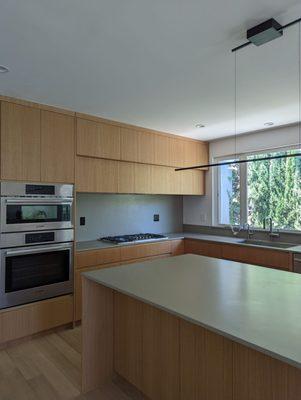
(243, 186)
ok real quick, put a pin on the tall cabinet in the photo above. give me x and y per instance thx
(36, 145)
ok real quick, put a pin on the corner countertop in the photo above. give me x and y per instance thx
(257, 307)
(97, 245)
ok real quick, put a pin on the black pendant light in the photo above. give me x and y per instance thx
(259, 35)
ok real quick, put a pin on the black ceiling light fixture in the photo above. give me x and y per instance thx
(259, 35)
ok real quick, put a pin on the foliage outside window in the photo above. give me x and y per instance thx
(254, 191)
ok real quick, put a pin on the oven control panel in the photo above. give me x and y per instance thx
(39, 237)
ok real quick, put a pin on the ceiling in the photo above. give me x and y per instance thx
(161, 64)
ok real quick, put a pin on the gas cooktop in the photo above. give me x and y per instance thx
(138, 237)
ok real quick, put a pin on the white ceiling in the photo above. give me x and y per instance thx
(161, 64)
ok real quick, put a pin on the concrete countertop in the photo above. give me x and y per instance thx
(258, 307)
(97, 245)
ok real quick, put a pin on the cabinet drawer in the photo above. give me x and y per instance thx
(264, 257)
(203, 248)
(97, 257)
(145, 250)
(21, 321)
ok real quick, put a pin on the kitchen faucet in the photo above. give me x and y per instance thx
(250, 230)
(272, 234)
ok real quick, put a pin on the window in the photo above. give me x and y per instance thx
(252, 192)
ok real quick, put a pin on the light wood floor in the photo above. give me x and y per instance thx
(48, 367)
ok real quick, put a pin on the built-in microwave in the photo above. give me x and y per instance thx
(29, 207)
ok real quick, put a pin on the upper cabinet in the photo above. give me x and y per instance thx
(36, 145)
(45, 144)
(57, 147)
(97, 139)
(20, 142)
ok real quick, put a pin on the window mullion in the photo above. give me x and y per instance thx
(243, 194)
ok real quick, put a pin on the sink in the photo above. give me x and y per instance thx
(266, 243)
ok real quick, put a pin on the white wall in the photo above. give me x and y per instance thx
(117, 214)
(200, 210)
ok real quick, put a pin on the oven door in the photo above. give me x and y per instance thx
(35, 273)
(30, 214)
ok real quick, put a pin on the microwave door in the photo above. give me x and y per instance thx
(35, 214)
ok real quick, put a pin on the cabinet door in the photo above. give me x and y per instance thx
(126, 177)
(258, 256)
(95, 175)
(203, 248)
(129, 143)
(146, 148)
(161, 150)
(176, 146)
(20, 142)
(193, 182)
(57, 147)
(143, 178)
(96, 139)
(194, 153)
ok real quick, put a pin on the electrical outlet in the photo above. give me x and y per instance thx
(82, 220)
(156, 217)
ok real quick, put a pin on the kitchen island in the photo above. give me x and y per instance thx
(192, 327)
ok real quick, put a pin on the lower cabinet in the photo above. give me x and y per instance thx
(32, 318)
(254, 255)
(249, 255)
(203, 248)
(109, 257)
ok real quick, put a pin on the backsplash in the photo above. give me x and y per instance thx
(113, 214)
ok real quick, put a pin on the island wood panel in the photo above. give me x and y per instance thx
(96, 139)
(20, 142)
(97, 335)
(160, 354)
(28, 319)
(128, 338)
(203, 248)
(78, 287)
(57, 147)
(91, 258)
(258, 256)
(206, 364)
(257, 376)
(180, 360)
(96, 175)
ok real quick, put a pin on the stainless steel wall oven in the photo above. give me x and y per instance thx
(36, 241)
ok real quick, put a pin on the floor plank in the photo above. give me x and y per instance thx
(48, 368)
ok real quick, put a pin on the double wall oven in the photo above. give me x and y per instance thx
(36, 241)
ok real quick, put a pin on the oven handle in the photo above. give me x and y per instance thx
(39, 201)
(37, 250)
